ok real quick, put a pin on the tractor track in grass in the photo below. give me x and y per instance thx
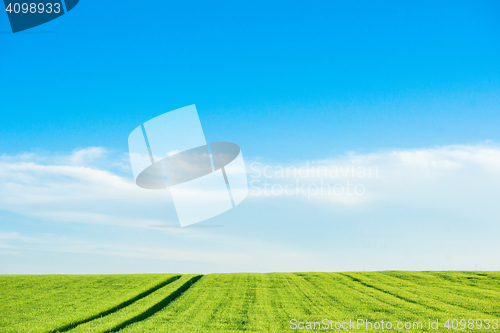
(140, 309)
(405, 299)
(118, 307)
(158, 306)
(241, 302)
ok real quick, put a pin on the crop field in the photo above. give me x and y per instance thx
(46, 302)
(272, 302)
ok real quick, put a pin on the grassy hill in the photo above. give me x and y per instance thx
(274, 302)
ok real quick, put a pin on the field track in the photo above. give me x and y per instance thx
(247, 302)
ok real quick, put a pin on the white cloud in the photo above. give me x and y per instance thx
(441, 185)
(458, 175)
(247, 254)
(30, 185)
(9, 253)
(452, 175)
(86, 156)
(16, 236)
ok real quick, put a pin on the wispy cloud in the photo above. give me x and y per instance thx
(458, 175)
(31, 185)
(86, 156)
(73, 190)
(407, 189)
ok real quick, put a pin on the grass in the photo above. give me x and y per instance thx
(254, 302)
(46, 302)
(138, 310)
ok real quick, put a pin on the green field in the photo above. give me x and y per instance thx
(273, 302)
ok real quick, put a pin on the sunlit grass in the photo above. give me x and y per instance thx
(245, 302)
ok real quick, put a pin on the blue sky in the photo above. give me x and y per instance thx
(411, 87)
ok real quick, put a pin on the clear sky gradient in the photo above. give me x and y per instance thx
(406, 86)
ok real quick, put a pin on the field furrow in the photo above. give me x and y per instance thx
(49, 303)
(140, 309)
(271, 302)
(267, 303)
(444, 297)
